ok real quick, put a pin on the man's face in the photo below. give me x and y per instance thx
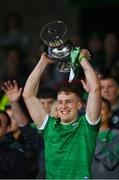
(109, 90)
(68, 105)
(3, 127)
(47, 104)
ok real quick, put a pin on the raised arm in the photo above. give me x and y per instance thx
(13, 93)
(33, 103)
(93, 107)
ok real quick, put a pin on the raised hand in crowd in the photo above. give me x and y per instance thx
(12, 90)
(13, 93)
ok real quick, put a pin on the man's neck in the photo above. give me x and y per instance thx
(103, 127)
(68, 122)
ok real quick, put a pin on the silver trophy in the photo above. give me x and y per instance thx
(59, 47)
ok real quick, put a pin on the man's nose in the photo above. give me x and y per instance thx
(64, 104)
(105, 89)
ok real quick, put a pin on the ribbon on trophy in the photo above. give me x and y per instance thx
(74, 55)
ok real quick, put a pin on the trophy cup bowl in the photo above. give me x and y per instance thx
(57, 45)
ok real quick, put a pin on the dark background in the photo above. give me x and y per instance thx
(82, 16)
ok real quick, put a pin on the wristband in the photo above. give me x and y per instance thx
(82, 58)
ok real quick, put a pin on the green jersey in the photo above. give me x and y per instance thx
(69, 148)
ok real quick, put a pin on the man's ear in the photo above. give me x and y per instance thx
(80, 105)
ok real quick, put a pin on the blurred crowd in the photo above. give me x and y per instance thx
(21, 154)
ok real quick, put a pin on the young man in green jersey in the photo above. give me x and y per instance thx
(69, 140)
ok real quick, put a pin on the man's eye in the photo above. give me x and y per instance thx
(69, 101)
(59, 102)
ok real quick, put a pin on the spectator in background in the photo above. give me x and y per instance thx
(110, 91)
(12, 156)
(33, 141)
(47, 96)
(105, 163)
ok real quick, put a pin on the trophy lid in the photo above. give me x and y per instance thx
(54, 34)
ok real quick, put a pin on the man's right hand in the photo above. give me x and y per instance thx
(12, 90)
(45, 58)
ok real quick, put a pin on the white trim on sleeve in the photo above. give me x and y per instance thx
(92, 123)
(44, 122)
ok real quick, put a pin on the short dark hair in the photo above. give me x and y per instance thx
(108, 76)
(71, 88)
(47, 92)
(8, 122)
